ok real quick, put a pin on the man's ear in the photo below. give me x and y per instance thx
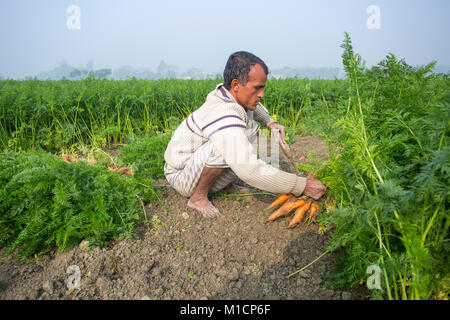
(235, 85)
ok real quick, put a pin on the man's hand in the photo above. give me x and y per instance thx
(314, 188)
(278, 127)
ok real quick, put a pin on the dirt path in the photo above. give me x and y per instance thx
(185, 256)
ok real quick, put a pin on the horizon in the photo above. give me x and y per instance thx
(40, 36)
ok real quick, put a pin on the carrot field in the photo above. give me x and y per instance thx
(387, 128)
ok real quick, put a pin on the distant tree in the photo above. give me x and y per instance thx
(166, 70)
(103, 73)
(171, 74)
(123, 72)
(75, 73)
(163, 67)
(194, 73)
(145, 74)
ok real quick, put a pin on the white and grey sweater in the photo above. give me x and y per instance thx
(224, 122)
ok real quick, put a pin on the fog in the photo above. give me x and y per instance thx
(193, 39)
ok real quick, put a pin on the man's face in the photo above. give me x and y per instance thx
(250, 95)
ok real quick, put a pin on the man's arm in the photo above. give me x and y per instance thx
(237, 152)
(262, 116)
(314, 187)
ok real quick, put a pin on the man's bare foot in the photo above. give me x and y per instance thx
(204, 206)
(231, 188)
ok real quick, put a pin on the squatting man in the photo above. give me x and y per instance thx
(212, 147)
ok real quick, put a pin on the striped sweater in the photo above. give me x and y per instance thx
(224, 122)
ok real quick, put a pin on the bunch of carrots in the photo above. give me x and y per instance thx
(289, 203)
(92, 161)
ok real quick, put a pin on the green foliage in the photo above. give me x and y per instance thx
(146, 153)
(390, 178)
(353, 64)
(65, 114)
(387, 128)
(46, 202)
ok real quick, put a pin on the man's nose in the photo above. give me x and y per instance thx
(261, 94)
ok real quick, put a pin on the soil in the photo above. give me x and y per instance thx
(178, 254)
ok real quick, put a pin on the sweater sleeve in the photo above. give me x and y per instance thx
(238, 153)
(262, 115)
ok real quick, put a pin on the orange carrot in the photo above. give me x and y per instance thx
(125, 171)
(314, 208)
(65, 157)
(73, 159)
(298, 204)
(284, 209)
(282, 198)
(299, 215)
(92, 161)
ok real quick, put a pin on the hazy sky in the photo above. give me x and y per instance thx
(35, 36)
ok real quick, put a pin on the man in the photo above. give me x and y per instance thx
(212, 146)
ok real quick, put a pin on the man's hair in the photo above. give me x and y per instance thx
(238, 66)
